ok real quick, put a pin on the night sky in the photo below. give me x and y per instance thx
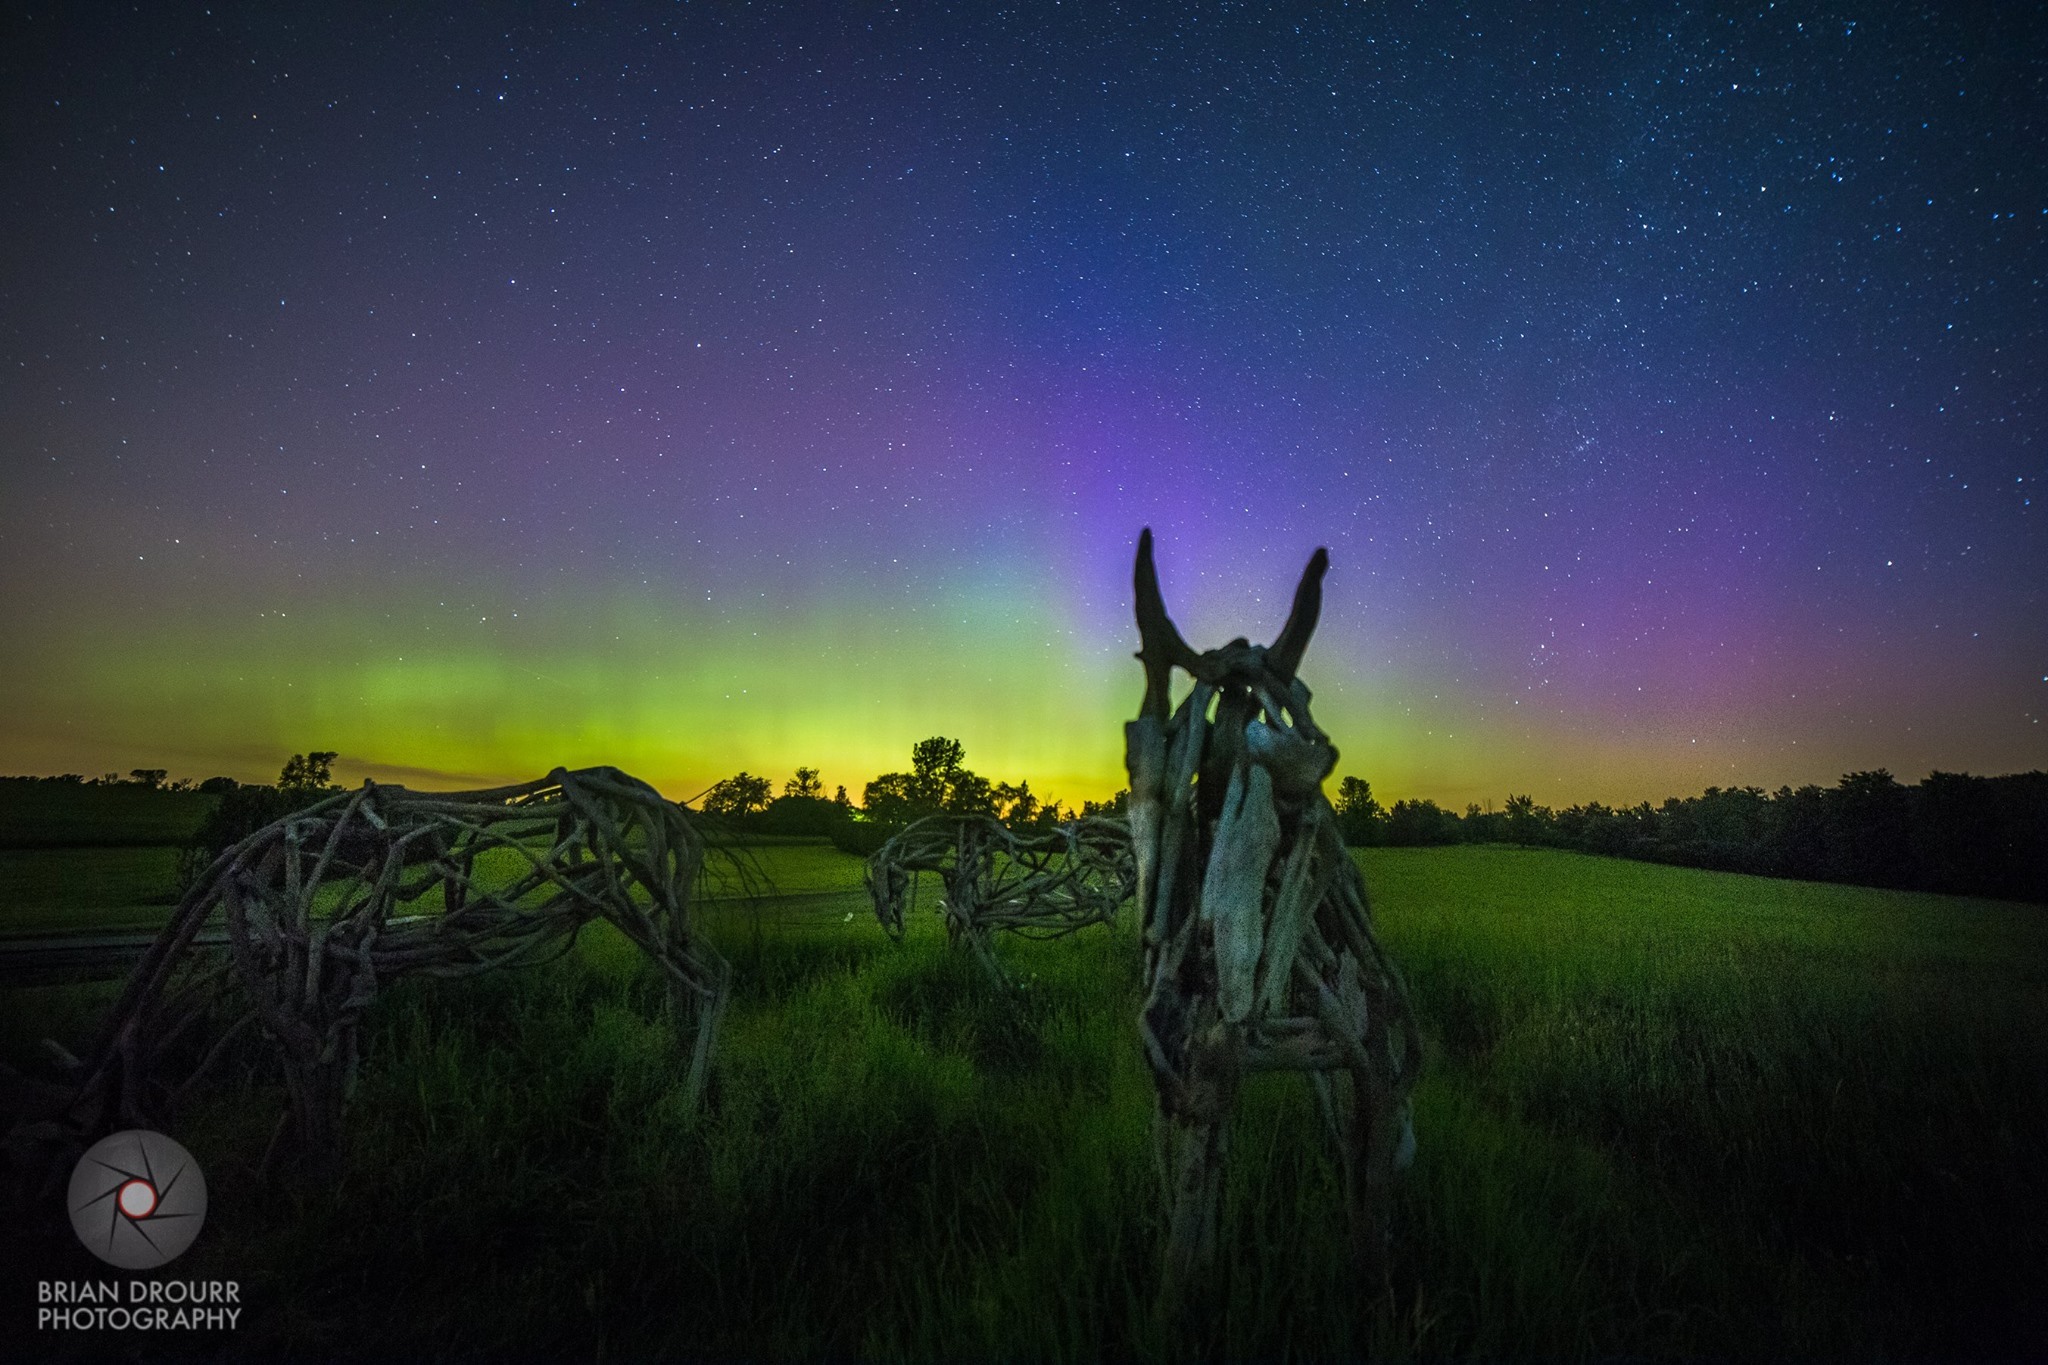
(705, 387)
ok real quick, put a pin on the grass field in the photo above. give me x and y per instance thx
(74, 856)
(48, 889)
(107, 886)
(37, 814)
(1666, 1113)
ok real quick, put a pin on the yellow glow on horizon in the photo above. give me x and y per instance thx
(682, 696)
(677, 699)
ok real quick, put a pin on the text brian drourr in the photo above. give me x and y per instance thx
(148, 1305)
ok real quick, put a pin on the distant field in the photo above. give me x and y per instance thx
(52, 890)
(45, 890)
(70, 814)
(1666, 1113)
(1538, 925)
(782, 869)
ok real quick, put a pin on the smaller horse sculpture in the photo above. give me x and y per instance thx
(1043, 883)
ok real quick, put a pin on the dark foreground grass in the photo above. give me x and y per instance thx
(1667, 1113)
(1802, 1118)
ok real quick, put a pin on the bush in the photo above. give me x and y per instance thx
(242, 810)
(862, 838)
(812, 815)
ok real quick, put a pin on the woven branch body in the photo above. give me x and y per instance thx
(1259, 947)
(1037, 883)
(325, 906)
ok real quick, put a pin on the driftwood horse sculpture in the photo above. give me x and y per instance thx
(1259, 947)
(329, 904)
(1036, 883)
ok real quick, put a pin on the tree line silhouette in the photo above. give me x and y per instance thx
(939, 782)
(1952, 832)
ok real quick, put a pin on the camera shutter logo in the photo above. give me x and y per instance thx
(137, 1199)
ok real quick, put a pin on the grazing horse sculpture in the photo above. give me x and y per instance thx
(315, 915)
(1038, 883)
(1259, 948)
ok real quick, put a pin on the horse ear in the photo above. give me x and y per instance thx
(1160, 645)
(1285, 654)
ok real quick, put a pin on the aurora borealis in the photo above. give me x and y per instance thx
(704, 387)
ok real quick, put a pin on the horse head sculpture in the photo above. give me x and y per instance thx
(1259, 947)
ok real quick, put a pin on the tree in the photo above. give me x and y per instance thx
(805, 783)
(891, 799)
(1116, 808)
(1422, 821)
(308, 773)
(936, 783)
(1015, 804)
(737, 796)
(242, 810)
(1593, 828)
(1359, 816)
(935, 766)
(969, 794)
(807, 815)
(1869, 823)
(1525, 821)
(151, 778)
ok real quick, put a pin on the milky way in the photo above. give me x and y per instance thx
(717, 387)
